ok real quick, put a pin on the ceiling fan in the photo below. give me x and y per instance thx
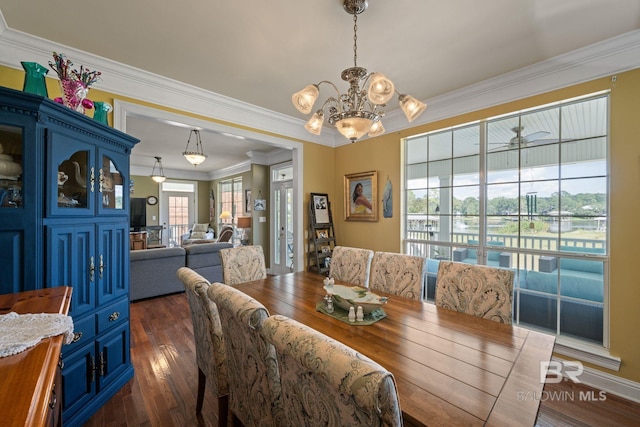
(521, 141)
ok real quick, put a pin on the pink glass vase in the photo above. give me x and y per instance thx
(73, 93)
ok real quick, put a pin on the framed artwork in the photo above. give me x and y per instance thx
(325, 250)
(320, 208)
(361, 196)
(247, 200)
(260, 205)
(322, 233)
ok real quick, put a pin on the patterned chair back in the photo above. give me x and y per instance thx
(351, 265)
(209, 339)
(253, 369)
(475, 289)
(398, 274)
(326, 383)
(242, 264)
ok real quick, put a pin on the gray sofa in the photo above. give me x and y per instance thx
(153, 271)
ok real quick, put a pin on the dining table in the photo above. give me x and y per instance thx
(450, 368)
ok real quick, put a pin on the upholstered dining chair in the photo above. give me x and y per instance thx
(351, 265)
(326, 383)
(475, 289)
(254, 397)
(242, 264)
(398, 274)
(209, 339)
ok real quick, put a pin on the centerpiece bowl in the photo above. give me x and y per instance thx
(347, 296)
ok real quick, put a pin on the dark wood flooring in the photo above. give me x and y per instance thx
(163, 390)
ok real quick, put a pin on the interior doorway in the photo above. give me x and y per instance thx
(282, 238)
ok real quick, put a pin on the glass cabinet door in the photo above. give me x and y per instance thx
(112, 182)
(72, 176)
(75, 179)
(11, 144)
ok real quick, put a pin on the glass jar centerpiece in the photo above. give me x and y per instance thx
(74, 83)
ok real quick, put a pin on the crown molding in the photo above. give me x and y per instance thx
(605, 58)
(125, 80)
(608, 57)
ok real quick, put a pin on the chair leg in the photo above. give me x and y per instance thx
(202, 380)
(223, 410)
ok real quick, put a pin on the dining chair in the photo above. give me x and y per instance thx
(209, 339)
(398, 274)
(226, 233)
(254, 397)
(479, 290)
(351, 265)
(242, 264)
(326, 383)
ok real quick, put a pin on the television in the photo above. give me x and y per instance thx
(137, 213)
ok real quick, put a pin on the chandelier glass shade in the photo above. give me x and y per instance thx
(157, 173)
(195, 157)
(359, 111)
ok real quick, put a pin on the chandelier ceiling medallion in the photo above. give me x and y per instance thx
(195, 157)
(359, 111)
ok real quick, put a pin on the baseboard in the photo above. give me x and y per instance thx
(613, 384)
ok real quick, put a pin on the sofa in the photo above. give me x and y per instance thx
(581, 294)
(494, 258)
(153, 271)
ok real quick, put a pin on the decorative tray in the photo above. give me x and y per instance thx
(347, 296)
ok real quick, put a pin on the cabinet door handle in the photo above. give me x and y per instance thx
(77, 336)
(93, 178)
(100, 180)
(114, 316)
(92, 368)
(92, 269)
(101, 362)
(101, 266)
(54, 399)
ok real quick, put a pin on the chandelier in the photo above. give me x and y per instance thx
(159, 176)
(195, 157)
(359, 111)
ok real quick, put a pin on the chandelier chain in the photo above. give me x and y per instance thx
(355, 39)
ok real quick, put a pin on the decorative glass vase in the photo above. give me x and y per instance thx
(101, 111)
(34, 78)
(73, 93)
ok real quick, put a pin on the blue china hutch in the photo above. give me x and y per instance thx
(64, 220)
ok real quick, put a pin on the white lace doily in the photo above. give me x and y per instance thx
(18, 332)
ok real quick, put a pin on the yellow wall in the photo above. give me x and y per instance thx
(383, 154)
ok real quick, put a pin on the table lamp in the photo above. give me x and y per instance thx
(244, 222)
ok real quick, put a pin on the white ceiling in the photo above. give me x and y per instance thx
(260, 52)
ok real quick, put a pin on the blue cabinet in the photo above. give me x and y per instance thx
(64, 221)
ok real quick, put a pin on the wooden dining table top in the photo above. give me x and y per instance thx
(450, 368)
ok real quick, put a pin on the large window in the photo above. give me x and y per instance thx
(525, 191)
(231, 198)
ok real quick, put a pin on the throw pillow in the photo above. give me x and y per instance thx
(197, 235)
(200, 227)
